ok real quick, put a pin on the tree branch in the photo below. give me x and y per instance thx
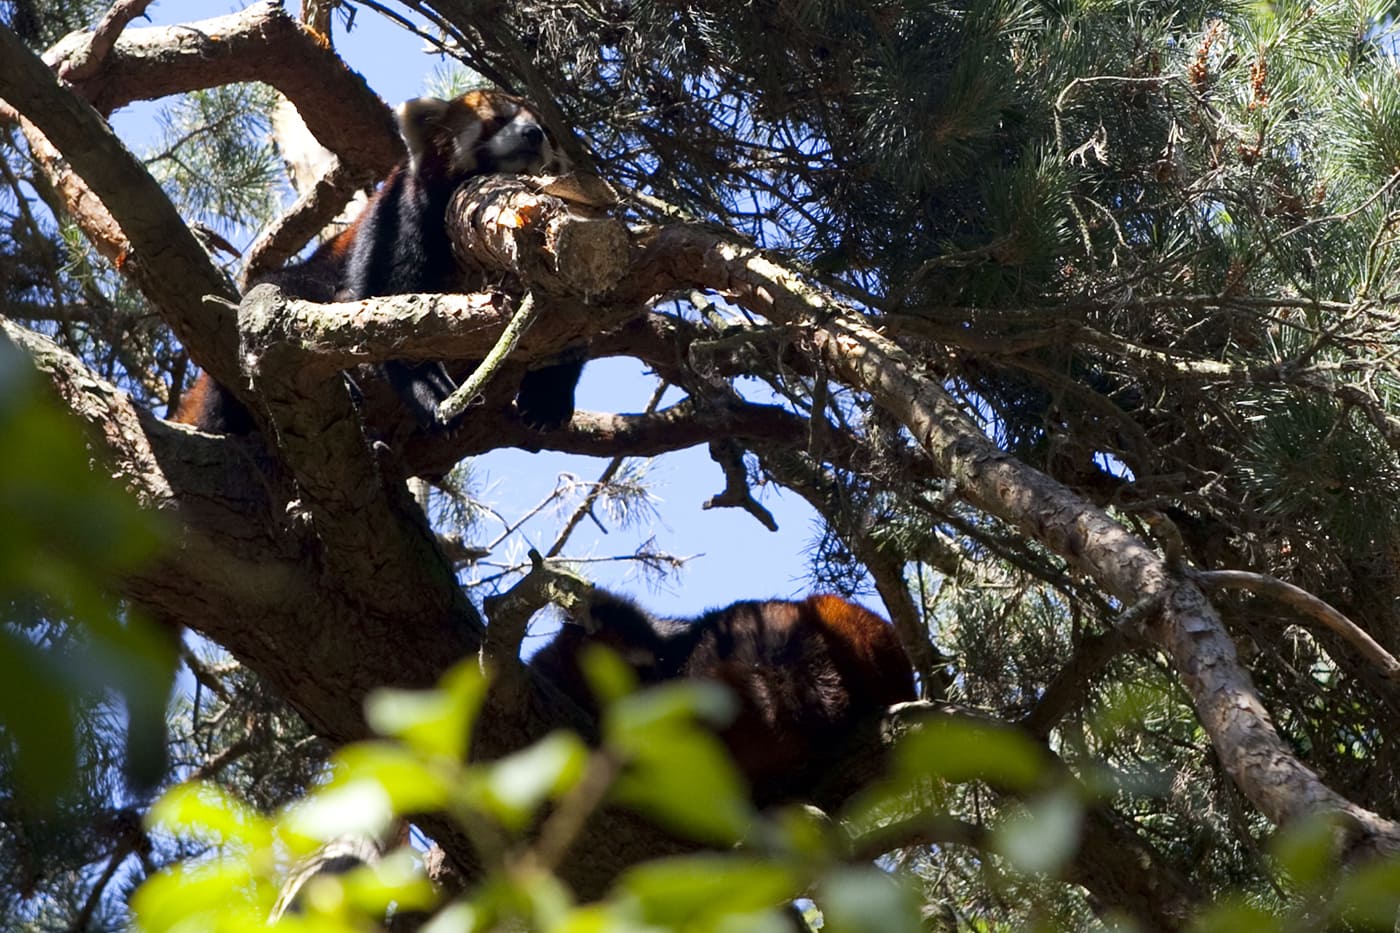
(356, 506)
(321, 204)
(1262, 765)
(162, 256)
(83, 64)
(1308, 604)
(260, 43)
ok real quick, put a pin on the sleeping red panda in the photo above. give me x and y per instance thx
(399, 244)
(806, 674)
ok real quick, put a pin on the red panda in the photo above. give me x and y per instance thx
(806, 674)
(399, 244)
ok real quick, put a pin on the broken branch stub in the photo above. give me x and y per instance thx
(502, 226)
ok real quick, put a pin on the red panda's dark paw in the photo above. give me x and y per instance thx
(545, 413)
(546, 396)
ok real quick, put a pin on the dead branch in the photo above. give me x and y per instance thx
(736, 494)
(1310, 606)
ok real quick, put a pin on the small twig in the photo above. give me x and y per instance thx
(1308, 604)
(125, 846)
(203, 675)
(817, 427)
(509, 613)
(220, 761)
(512, 527)
(460, 400)
(730, 457)
(585, 508)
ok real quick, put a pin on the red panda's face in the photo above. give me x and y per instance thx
(479, 132)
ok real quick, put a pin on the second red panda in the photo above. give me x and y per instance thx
(806, 673)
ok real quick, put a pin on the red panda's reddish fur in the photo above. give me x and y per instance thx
(806, 674)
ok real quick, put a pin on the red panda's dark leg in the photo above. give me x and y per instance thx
(546, 395)
(422, 387)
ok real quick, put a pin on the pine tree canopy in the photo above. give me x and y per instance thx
(1073, 321)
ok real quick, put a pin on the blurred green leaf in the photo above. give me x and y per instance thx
(1043, 837)
(396, 879)
(359, 806)
(959, 750)
(631, 720)
(672, 762)
(1305, 850)
(1369, 897)
(204, 811)
(694, 891)
(605, 917)
(866, 900)
(218, 896)
(67, 535)
(1233, 915)
(412, 785)
(432, 722)
(512, 789)
(456, 918)
(608, 675)
(37, 714)
(801, 831)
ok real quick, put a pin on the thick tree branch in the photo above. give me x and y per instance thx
(1189, 628)
(358, 509)
(260, 43)
(162, 257)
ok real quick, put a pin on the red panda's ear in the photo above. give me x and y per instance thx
(418, 119)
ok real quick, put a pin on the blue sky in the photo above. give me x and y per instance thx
(734, 556)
